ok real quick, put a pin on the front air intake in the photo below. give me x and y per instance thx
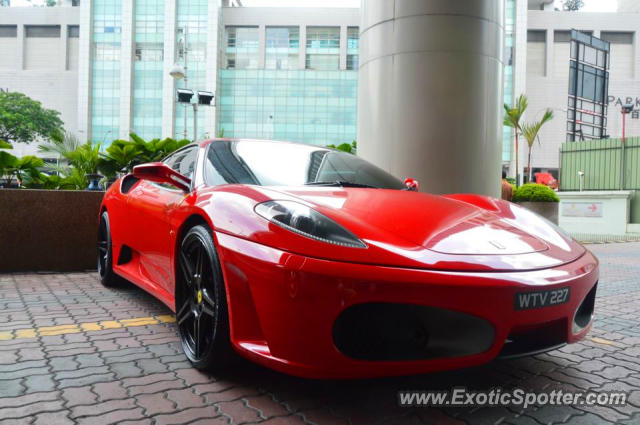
(387, 331)
(584, 313)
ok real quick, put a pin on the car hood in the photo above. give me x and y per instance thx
(404, 228)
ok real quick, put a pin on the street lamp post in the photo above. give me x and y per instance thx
(626, 109)
(185, 95)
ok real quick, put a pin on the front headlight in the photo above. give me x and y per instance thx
(307, 222)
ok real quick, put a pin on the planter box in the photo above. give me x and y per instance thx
(48, 230)
(548, 210)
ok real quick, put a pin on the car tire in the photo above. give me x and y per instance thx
(105, 253)
(201, 303)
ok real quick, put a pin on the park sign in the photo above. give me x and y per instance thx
(588, 87)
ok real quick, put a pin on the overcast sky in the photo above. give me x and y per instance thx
(589, 5)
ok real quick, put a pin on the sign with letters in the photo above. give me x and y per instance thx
(582, 209)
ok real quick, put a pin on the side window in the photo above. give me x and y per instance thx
(183, 162)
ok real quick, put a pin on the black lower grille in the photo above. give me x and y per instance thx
(388, 331)
(524, 341)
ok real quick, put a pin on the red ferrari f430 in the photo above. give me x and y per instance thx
(316, 263)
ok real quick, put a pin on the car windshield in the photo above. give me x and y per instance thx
(269, 163)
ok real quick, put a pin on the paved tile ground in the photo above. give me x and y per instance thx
(136, 374)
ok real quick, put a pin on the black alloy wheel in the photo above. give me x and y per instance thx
(105, 253)
(201, 305)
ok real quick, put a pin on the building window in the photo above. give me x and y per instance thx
(561, 36)
(8, 31)
(536, 36)
(73, 31)
(282, 47)
(353, 41)
(242, 47)
(42, 31)
(617, 37)
(323, 48)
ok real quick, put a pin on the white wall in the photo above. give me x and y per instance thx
(551, 90)
(38, 66)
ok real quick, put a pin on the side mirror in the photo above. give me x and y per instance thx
(162, 173)
(412, 184)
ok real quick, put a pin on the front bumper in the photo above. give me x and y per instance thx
(283, 310)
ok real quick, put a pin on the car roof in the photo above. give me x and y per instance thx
(204, 143)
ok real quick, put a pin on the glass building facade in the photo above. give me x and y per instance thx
(105, 69)
(281, 101)
(353, 47)
(242, 48)
(192, 16)
(509, 57)
(148, 67)
(323, 48)
(282, 48)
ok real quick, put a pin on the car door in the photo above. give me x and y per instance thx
(151, 205)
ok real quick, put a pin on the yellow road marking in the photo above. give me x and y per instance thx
(601, 341)
(87, 326)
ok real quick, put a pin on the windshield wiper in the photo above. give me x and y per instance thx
(341, 183)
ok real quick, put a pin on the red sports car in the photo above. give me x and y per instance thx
(316, 263)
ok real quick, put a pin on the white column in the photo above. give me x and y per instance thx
(548, 52)
(343, 47)
(126, 70)
(84, 72)
(208, 126)
(168, 84)
(262, 45)
(303, 47)
(430, 94)
(636, 55)
(20, 42)
(64, 46)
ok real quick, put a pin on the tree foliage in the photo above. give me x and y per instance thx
(572, 5)
(23, 119)
(530, 132)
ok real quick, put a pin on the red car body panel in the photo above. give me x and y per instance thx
(465, 253)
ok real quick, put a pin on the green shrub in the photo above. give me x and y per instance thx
(533, 192)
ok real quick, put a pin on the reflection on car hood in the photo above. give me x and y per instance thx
(505, 235)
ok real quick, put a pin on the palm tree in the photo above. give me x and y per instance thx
(512, 118)
(60, 145)
(530, 132)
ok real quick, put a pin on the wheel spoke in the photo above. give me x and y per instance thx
(185, 266)
(197, 335)
(184, 313)
(208, 305)
(199, 264)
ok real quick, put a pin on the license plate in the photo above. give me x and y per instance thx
(538, 299)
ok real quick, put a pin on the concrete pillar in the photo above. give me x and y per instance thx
(430, 92)
(343, 47)
(262, 45)
(548, 52)
(636, 56)
(302, 49)
(64, 47)
(20, 42)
